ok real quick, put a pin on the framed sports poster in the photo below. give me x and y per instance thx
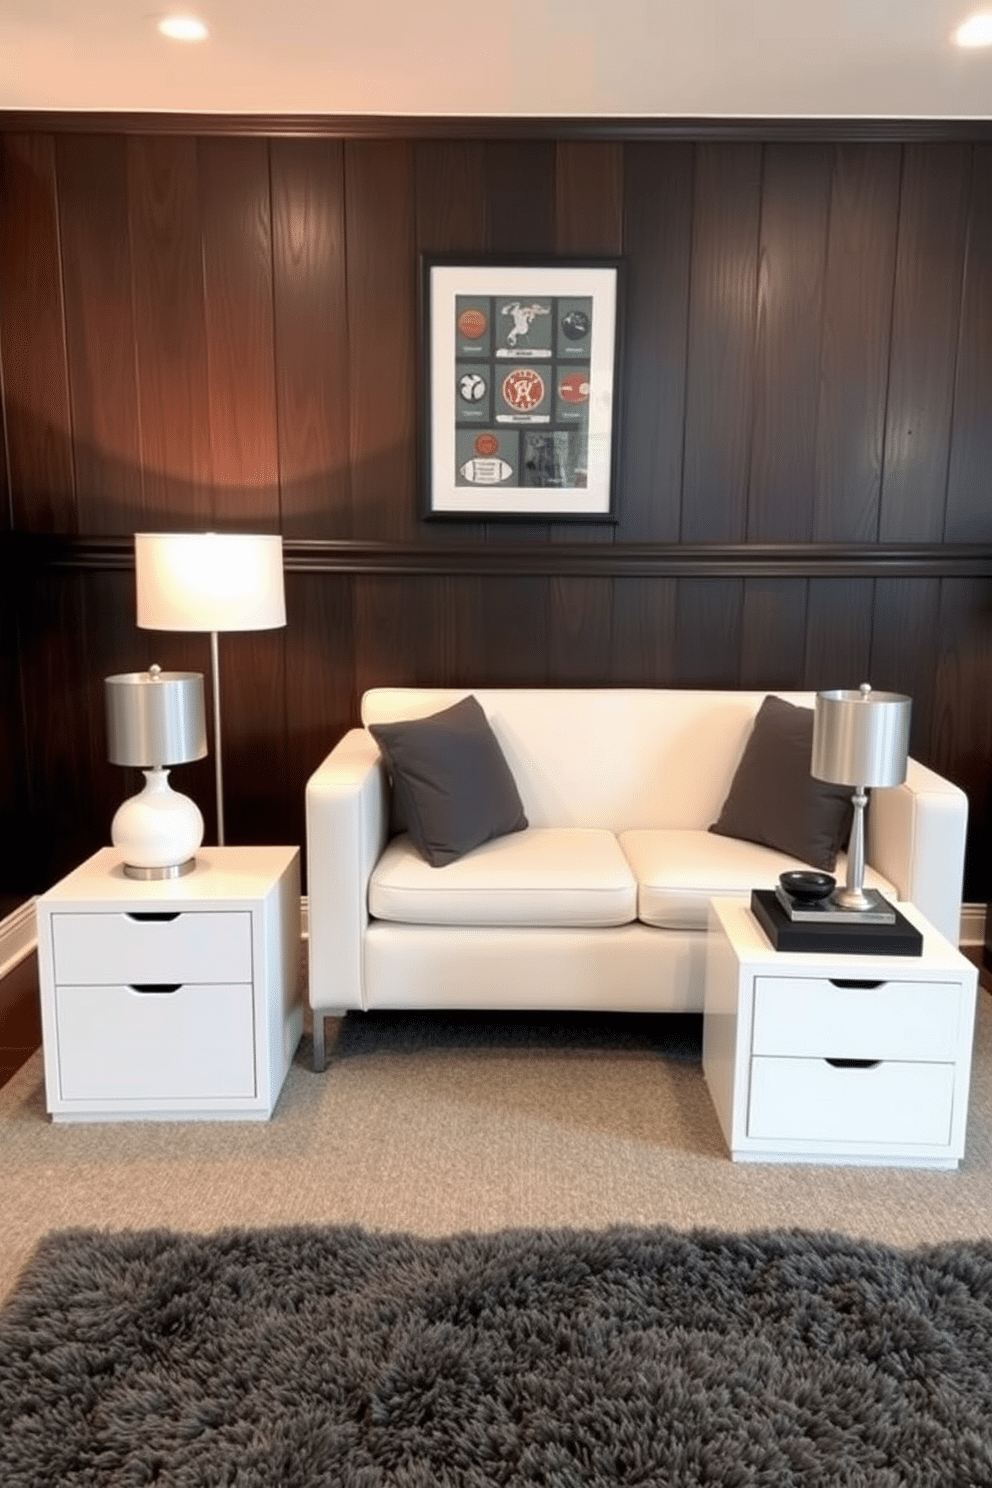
(520, 391)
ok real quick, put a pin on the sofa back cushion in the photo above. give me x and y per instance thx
(615, 758)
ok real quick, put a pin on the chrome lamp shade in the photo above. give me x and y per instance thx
(155, 720)
(860, 739)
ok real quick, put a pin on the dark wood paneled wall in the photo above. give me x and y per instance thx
(200, 330)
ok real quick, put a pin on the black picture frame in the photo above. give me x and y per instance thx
(520, 387)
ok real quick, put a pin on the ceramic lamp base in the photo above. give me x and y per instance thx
(158, 831)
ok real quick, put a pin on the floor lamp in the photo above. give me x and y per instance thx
(209, 581)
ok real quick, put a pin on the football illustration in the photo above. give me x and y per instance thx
(485, 472)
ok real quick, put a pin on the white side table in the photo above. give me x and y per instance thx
(171, 999)
(837, 1059)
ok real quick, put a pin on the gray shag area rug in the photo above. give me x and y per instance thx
(308, 1356)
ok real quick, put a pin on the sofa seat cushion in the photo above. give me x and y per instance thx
(678, 872)
(549, 876)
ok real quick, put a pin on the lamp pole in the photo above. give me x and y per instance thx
(218, 770)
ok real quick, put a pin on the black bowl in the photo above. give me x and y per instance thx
(807, 885)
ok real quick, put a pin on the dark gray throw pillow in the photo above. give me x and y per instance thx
(775, 801)
(453, 787)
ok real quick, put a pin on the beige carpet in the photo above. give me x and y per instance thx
(442, 1124)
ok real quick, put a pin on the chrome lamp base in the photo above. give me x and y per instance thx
(171, 870)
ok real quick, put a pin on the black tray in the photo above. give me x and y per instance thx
(900, 939)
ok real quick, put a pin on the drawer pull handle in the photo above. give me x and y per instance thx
(855, 982)
(155, 986)
(854, 1063)
(153, 914)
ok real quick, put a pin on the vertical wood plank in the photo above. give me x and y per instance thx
(579, 631)
(257, 785)
(857, 307)
(6, 516)
(904, 649)
(838, 633)
(57, 687)
(969, 510)
(588, 220)
(237, 276)
(451, 218)
(589, 197)
(520, 196)
(456, 629)
(100, 337)
(388, 622)
(169, 316)
(15, 800)
(795, 202)
(5, 478)
(320, 681)
(720, 370)
(642, 632)
(773, 639)
(658, 192)
(517, 630)
(311, 337)
(382, 289)
(450, 196)
(708, 632)
(961, 740)
(925, 322)
(32, 339)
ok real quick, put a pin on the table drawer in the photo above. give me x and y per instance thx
(815, 1101)
(122, 1043)
(813, 1016)
(190, 946)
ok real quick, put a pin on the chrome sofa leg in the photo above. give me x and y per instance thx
(319, 1057)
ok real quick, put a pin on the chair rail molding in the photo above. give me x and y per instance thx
(602, 560)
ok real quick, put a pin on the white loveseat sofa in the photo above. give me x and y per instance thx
(602, 902)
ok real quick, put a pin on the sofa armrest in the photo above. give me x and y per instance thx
(916, 837)
(347, 824)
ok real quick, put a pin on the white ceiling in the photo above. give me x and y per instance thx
(678, 58)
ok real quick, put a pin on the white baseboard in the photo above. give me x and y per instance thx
(972, 924)
(18, 936)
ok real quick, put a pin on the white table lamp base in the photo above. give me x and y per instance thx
(157, 830)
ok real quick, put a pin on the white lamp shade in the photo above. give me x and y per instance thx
(155, 718)
(209, 581)
(860, 737)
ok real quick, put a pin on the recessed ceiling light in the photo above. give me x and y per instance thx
(183, 28)
(976, 31)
